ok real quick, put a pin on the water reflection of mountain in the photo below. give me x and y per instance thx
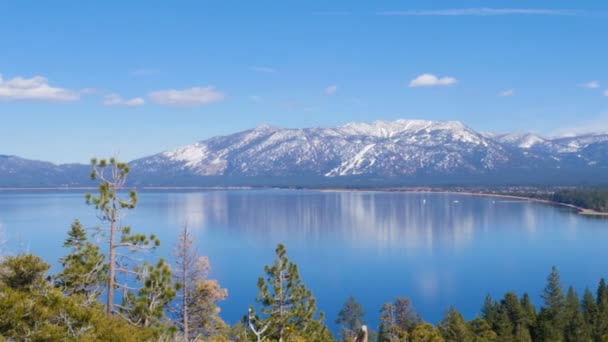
(402, 220)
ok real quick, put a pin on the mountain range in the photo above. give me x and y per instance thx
(401, 152)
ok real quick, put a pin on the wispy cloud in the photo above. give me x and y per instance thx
(116, 100)
(591, 85)
(264, 69)
(430, 80)
(484, 11)
(506, 93)
(197, 96)
(144, 72)
(36, 88)
(606, 92)
(331, 90)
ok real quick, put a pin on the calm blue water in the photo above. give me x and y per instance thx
(437, 249)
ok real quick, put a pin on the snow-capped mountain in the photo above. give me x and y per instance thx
(399, 148)
(396, 150)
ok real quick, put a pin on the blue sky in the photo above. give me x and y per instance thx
(81, 79)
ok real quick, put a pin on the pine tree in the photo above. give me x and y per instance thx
(454, 328)
(503, 325)
(289, 306)
(112, 178)
(147, 308)
(482, 331)
(33, 310)
(197, 312)
(529, 311)
(517, 316)
(591, 314)
(602, 308)
(350, 318)
(489, 310)
(425, 332)
(551, 320)
(84, 269)
(576, 329)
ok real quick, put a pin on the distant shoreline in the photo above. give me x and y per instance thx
(580, 210)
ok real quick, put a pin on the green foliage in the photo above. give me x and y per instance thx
(289, 306)
(112, 177)
(350, 318)
(23, 272)
(147, 308)
(84, 268)
(454, 328)
(32, 310)
(482, 331)
(589, 199)
(552, 319)
(426, 332)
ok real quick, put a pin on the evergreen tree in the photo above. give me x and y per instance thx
(147, 308)
(602, 308)
(482, 331)
(112, 178)
(503, 325)
(453, 327)
(576, 329)
(517, 316)
(289, 306)
(425, 332)
(350, 318)
(591, 314)
(489, 310)
(529, 311)
(551, 320)
(84, 269)
(33, 310)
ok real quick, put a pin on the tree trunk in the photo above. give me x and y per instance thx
(112, 267)
(361, 335)
(185, 284)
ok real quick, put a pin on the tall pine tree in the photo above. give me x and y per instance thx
(350, 319)
(289, 306)
(84, 268)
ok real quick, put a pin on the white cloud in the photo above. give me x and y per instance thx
(506, 93)
(35, 88)
(196, 96)
(430, 80)
(116, 100)
(265, 69)
(331, 90)
(606, 92)
(483, 11)
(591, 85)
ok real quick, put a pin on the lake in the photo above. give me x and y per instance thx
(436, 249)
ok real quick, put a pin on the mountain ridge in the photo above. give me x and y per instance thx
(400, 150)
